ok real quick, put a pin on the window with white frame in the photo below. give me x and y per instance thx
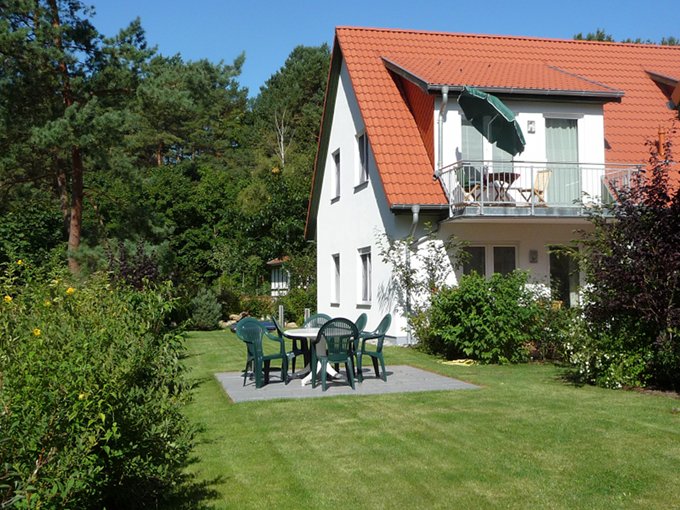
(365, 274)
(362, 170)
(487, 260)
(335, 278)
(336, 174)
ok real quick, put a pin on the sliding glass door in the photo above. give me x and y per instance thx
(562, 148)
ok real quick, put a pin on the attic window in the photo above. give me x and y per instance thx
(670, 86)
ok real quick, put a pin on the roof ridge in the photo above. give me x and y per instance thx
(581, 77)
(506, 36)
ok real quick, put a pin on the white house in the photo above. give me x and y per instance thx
(396, 151)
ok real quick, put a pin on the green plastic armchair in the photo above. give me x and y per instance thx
(316, 321)
(251, 332)
(339, 335)
(360, 323)
(298, 350)
(377, 354)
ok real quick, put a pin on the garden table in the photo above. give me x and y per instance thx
(307, 335)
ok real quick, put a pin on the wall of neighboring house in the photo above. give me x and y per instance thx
(349, 225)
(280, 281)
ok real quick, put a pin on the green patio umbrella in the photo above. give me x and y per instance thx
(493, 119)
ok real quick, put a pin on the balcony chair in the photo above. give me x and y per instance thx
(541, 180)
(470, 179)
(252, 332)
(339, 335)
(377, 354)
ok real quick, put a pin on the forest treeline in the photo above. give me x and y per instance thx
(116, 157)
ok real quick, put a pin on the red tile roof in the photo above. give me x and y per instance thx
(546, 64)
(509, 77)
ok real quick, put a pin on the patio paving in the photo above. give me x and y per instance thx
(400, 379)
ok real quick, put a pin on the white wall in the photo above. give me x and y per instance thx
(524, 234)
(353, 221)
(589, 117)
(360, 215)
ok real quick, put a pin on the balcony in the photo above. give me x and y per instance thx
(525, 188)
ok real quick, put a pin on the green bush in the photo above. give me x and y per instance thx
(91, 394)
(257, 306)
(490, 320)
(206, 310)
(295, 302)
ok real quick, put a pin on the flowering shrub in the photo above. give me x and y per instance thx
(91, 392)
(601, 355)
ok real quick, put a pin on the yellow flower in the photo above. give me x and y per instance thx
(36, 332)
(8, 299)
(20, 262)
(70, 291)
(82, 396)
(47, 303)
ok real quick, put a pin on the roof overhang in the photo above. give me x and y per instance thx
(432, 75)
(671, 86)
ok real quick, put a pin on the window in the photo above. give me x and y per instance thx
(564, 276)
(336, 174)
(473, 142)
(365, 284)
(497, 259)
(503, 259)
(335, 288)
(362, 141)
(476, 260)
(474, 147)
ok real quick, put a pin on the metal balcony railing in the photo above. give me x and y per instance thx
(532, 188)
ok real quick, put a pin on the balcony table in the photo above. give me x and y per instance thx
(504, 180)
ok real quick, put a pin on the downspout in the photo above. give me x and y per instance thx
(415, 211)
(440, 130)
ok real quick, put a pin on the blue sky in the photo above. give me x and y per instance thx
(267, 31)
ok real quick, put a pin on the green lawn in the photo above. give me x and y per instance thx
(527, 439)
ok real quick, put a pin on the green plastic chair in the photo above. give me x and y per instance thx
(251, 332)
(313, 321)
(360, 323)
(377, 354)
(316, 321)
(297, 350)
(339, 335)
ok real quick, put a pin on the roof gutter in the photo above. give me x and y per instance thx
(422, 207)
(614, 95)
(440, 130)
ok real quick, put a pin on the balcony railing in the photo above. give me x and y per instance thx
(532, 188)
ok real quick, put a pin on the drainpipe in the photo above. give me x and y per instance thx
(415, 211)
(440, 130)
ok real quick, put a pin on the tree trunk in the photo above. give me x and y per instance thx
(76, 210)
(62, 192)
(76, 214)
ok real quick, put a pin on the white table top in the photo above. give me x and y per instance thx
(302, 332)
